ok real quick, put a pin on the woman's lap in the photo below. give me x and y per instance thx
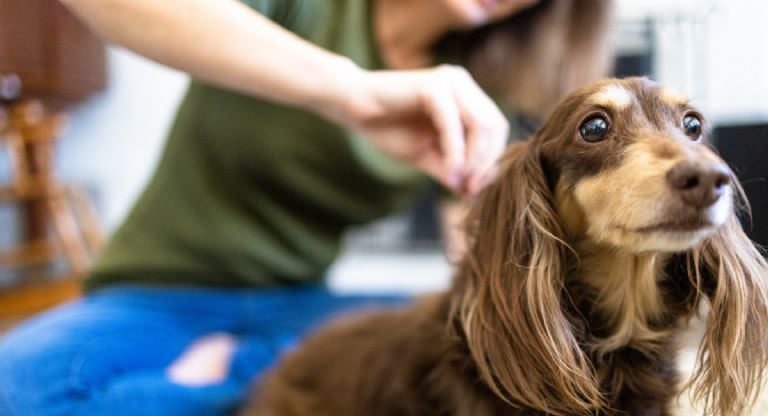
(108, 352)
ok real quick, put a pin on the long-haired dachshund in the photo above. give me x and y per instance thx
(600, 237)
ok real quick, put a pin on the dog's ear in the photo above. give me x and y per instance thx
(731, 272)
(509, 294)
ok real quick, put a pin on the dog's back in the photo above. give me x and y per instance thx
(388, 363)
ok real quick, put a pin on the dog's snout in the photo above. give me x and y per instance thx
(699, 185)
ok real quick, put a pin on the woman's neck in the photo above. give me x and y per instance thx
(406, 31)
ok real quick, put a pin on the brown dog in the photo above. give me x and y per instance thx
(602, 234)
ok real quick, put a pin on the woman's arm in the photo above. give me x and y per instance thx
(223, 42)
(435, 119)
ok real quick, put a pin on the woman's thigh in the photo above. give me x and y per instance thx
(63, 360)
(280, 318)
(107, 353)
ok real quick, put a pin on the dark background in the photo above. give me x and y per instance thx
(745, 148)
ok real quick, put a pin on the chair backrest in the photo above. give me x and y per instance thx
(29, 135)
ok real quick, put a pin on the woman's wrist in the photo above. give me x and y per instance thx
(344, 96)
(330, 90)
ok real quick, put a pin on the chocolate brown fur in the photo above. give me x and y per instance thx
(583, 267)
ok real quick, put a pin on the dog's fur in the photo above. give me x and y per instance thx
(586, 260)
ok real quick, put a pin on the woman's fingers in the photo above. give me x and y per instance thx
(486, 130)
(433, 164)
(445, 113)
(436, 119)
(472, 130)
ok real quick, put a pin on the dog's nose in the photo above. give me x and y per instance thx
(700, 185)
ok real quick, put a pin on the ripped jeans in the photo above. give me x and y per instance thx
(106, 354)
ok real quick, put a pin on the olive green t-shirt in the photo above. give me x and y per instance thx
(252, 193)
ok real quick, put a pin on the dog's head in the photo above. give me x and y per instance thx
(621, 166)
(629, 166)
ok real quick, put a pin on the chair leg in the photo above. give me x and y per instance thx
(29, 253)
(17, 158)
(89, 220)
(67, 230)
(58, 220)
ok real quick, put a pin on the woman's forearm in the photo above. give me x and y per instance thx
(226, 43)
(435, 119)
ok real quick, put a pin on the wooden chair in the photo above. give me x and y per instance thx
(49, 63)
(58, 220)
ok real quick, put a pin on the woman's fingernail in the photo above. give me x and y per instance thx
(455, 179)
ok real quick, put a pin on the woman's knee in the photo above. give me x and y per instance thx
(33, 374)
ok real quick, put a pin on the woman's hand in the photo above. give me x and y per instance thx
(437, 120)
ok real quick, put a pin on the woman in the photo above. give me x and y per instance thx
(305, 117)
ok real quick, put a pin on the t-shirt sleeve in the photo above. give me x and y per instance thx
(283, 12)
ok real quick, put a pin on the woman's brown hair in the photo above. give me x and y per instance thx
(533, 58)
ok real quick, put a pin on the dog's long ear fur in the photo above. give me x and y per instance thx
(730, 271)
(509, 294)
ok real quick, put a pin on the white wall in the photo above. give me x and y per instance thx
(113, 141)
(738, 60)
(714, 50)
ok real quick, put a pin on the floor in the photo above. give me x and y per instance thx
(19, 302)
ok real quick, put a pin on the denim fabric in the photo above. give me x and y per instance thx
(106, 354)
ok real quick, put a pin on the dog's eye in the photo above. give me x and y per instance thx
(594, 129)
(692, 126)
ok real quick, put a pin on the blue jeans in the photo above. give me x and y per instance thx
(106, 354)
